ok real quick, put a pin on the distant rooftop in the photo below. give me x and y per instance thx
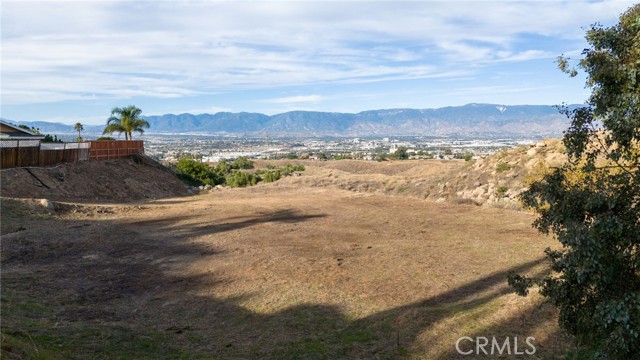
(14, 132)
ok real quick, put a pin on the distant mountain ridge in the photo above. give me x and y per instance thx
(470, 119)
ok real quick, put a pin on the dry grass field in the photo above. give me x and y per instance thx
(288, 270)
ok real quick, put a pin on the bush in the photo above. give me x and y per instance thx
(197, 173)
(223, 167)
(51, 139)
(242, 163)
(106, 138)
(271, 176)
(501, 191)
(502, 166)
(288, 169)
(241, 178)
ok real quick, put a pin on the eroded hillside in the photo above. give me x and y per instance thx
(495, 180)
(111, 180)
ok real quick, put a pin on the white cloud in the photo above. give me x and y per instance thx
(204, 110)
(295, 99)
(73, 50)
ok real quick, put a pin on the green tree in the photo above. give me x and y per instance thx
(78, 127)
(592, 203)
(271, 175)
(126, 120)
(32, 129)
(198, 173)
(242, 163)
(223, 167)
(401, 153)
(241, 178)
(51, 139)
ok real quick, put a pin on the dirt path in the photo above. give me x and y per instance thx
(272, 271)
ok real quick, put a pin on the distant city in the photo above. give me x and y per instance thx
(215, 148)
(472, 130)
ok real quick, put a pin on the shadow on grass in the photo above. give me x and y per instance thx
(180, 230)
(114, 290)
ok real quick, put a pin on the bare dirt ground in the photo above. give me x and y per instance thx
(107, 181)
(286, 270)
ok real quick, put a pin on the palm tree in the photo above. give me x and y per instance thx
(126, 120)
(78, 127)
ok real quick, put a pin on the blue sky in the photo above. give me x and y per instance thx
(70, 61)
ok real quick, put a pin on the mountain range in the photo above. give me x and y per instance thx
(471, 119)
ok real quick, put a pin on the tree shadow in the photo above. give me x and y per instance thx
(180, 226)
(113, 288)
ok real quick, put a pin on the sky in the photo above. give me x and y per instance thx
(73, 61)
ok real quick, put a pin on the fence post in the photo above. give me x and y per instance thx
(17, 153)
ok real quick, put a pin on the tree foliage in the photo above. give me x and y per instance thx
(51, 139)
(241, 178)
(78, 127)
(401, 153)
(126, 120)
(32, 129)
(242, 163)
(233, 173)
(592, 203)
(198, 173)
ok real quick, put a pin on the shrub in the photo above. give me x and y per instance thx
(271, 176)
(502, 166)
(288, 169)
(501, 191)
(242, 163)
(223, 167)
(197, 173)
(241, 178)
(467, 156)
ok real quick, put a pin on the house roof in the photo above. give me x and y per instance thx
(11, 131)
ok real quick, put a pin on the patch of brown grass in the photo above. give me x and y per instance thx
(273, 271)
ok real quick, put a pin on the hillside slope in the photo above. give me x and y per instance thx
(497, 180)
(493, 181)
(110, 181)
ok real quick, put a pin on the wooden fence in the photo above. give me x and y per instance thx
(115, 149)
(24, 153)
